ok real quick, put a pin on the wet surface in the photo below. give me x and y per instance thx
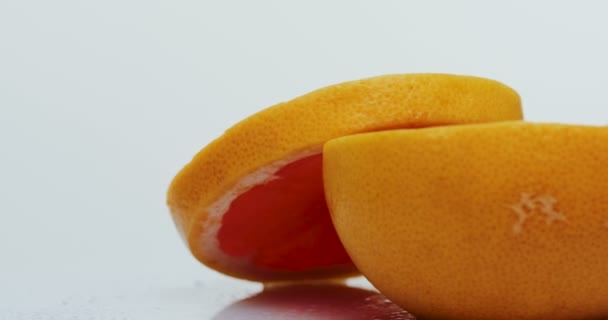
(321, 302)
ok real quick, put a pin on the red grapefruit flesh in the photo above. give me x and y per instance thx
(284, 224)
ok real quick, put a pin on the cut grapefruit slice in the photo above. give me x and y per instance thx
(251, 204)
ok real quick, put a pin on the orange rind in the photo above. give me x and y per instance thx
(483, 221)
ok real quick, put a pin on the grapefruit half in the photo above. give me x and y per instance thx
(487, 221)
(251, 204)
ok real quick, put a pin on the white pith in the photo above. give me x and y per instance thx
(208, 241)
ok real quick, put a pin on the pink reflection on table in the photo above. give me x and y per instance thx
(318, 302)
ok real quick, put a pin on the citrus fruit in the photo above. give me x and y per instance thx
(482, 221)
(251, 203)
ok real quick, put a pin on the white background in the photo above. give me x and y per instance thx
(102, 102)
